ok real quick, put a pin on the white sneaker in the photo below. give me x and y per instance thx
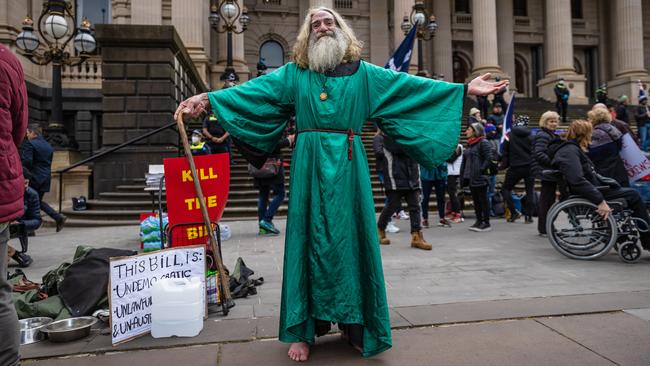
(403, 215)
(391, 228)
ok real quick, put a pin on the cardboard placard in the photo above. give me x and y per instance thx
(183, 206)
(131, 283)
(635, 161)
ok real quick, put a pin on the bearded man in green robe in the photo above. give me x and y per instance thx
(332, 263)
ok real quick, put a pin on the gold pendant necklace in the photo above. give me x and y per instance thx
(323, 94)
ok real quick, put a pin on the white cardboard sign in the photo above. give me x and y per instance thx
(636, 163)
(131, 283)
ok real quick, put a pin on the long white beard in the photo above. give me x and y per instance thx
(327, 52)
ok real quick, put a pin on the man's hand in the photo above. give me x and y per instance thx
(291, 139)
(603, 210)
(194, 106)
(481, 86)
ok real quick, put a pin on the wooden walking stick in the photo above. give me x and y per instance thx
(225, 287)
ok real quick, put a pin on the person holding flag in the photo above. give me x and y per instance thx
(517, 157)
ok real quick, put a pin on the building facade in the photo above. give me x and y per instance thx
(532, 42)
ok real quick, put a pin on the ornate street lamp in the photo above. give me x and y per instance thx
(231, 13)
(425, 30)
(56, 34)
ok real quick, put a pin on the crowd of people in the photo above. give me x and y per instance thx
(582, 151)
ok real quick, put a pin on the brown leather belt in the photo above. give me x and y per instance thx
(349, 132)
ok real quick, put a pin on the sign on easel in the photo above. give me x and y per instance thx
(131, 283)
(183, 206)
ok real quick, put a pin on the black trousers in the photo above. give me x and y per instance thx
(452, 191)
(513, 176)
(481, 207)
(634, 202)
(394, 201)
(54, 214)
(546, 200)
(562, 106)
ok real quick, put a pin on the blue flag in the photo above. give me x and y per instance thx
(507, 123)
(402, 57)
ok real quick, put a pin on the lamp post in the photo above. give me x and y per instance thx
(230, 12)
(425, 30)
(56, 34)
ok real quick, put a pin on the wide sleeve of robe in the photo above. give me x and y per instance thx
(256, 112)
(422, 115)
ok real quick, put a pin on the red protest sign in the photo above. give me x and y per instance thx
(183, 205)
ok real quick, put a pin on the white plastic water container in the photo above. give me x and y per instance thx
(177, 307)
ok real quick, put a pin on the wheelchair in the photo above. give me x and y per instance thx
(576, 230)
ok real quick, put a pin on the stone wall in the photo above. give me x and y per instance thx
(82, 109)
(146, 73)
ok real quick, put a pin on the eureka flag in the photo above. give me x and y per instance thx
(401, 58)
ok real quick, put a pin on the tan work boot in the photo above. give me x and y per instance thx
(417, 241)
(383, 240)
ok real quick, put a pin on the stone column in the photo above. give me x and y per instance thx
(146, 12)
(121, 11)
(400, 9)
(442, 49)
(558, 47)
(628, 35)
(379, 38)
(506, 37)
(326, 3)
(484, 36)
(189, 19)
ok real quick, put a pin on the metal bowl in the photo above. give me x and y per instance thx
(69, 329)
(30, 329)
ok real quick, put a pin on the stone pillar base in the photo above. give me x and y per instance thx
(627, 85)
(75, 181)
(575, 82)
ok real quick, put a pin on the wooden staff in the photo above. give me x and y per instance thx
(225, 286)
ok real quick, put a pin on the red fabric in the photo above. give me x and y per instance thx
(473, 140)
(13, 124)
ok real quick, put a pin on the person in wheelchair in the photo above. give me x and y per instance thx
(30, 221)
(578, 170)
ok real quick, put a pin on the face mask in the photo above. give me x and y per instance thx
(196, 139)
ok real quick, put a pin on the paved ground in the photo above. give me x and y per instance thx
(503, 298)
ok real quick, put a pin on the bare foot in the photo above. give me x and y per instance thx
(299, 351)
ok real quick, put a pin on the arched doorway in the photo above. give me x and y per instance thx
(521, 76)
(272, 54)
(461, 68)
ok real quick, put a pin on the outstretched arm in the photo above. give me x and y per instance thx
(481, 86)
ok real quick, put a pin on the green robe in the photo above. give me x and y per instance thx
(332, 260)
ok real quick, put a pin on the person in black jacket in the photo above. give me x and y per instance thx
(402, 179)
(541, 160)
(517, 156)
(642, 117)
(476, 161)
(266, 210)
(580, 175)
(621, 109)
(606, 144)
(36, 155)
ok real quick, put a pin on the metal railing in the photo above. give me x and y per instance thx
(106, 152)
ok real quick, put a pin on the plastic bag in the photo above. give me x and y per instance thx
(225, 231)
